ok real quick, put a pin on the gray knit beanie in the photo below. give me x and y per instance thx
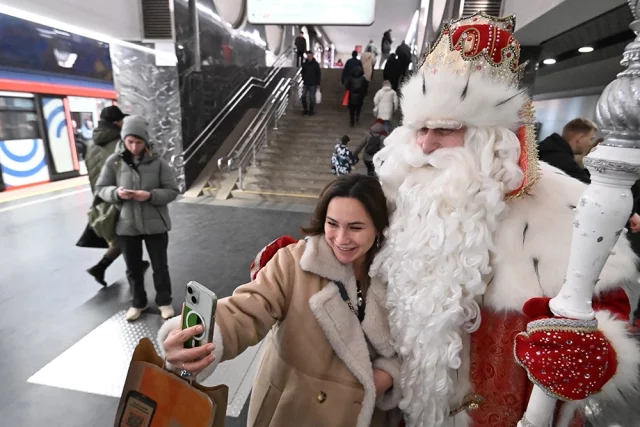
(136, 126)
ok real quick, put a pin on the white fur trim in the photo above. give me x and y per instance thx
(391, 398)
(443, 100)
(218, 351)
(345, 335)
(628, 355)
(547, 216)
(175, 323)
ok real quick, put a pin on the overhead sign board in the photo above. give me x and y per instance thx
(311, 12)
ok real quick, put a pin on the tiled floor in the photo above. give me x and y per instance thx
(64, 346)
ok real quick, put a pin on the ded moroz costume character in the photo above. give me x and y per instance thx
(479, 240)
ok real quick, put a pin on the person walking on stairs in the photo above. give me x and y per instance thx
(351, 65)
(311, 76)
(143, 184)
(385, 47)
(385, 104)
(301, 48)
(372, 143)
(105, 139)
(392, 71)
(343, 158)
(357, 86)
(368, 64)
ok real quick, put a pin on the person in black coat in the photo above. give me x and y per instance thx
(357, 86)
(311, 76)
(392, 71)
(301, 48)
(351, 65)
(403, 53)
(560, 151)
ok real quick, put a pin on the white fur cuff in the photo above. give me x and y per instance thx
(391, 398)
(174, 323)
(627, 353)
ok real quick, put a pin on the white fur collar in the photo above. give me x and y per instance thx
(534, 242)
(341, 326)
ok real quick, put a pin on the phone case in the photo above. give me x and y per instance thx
(199, 309)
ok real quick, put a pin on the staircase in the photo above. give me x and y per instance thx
(296, 164)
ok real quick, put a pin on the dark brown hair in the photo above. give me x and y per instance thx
(365, 189)
(578, 126)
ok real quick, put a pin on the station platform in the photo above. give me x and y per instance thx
(66, 346)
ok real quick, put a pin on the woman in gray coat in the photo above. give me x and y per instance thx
(142, 183)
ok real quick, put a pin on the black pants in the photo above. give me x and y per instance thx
(132, 252)
(371, 169)
(299, 58)
(354, 113)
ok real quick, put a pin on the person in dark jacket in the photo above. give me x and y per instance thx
(301, 48)
(357, 86)
(372, 143)
(561, 151)
(105, 139)
(385, 46)
(392, 71)
(142, 183)
(311, 76)
(403, 52)
(351, 64)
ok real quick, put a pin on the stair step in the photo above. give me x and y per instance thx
(270, 181)
(274, 197)
(290, 190)
(276, 166)
(322, 150)
(295, 159)
(317, 172)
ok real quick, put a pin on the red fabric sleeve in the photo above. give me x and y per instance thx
(616, 301)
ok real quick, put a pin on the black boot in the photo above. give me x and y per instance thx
(98, 270)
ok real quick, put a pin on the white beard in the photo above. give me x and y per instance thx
(437, 248)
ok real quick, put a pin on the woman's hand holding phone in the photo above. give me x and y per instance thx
(125, 194)
(193, 360)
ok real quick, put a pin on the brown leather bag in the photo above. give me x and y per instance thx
(155, 397)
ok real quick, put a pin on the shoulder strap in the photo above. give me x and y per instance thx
(345, 297)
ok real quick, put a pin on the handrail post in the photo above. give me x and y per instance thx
(240, 179)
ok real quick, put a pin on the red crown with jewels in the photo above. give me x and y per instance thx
(477, 44)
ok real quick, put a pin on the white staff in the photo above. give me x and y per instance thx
(605, 206)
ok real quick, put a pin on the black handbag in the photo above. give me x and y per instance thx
(90, 239)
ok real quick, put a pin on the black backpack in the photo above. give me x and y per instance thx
(373, 145)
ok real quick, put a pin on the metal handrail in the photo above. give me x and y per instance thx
(256, 134)
(252, 82)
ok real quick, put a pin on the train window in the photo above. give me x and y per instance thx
(18, 119)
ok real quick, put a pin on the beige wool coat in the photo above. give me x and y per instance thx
(317, 366)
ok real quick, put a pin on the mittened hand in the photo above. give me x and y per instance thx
(569, 359)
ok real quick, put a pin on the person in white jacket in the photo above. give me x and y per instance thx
(385, 103)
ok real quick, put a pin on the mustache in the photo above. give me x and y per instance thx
(439, 159)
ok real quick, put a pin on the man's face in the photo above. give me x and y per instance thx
(584, 142)
(309, 56)
(429, 140)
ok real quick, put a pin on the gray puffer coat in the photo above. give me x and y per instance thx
(105, 140)
(153, 174)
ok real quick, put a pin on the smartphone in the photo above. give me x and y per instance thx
(138, 410)
(199, 309)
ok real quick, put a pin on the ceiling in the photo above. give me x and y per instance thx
(562, 16)
(395, 15)
(608, 33)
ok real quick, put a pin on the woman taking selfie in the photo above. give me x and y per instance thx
(329, 361)
(143, 184)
